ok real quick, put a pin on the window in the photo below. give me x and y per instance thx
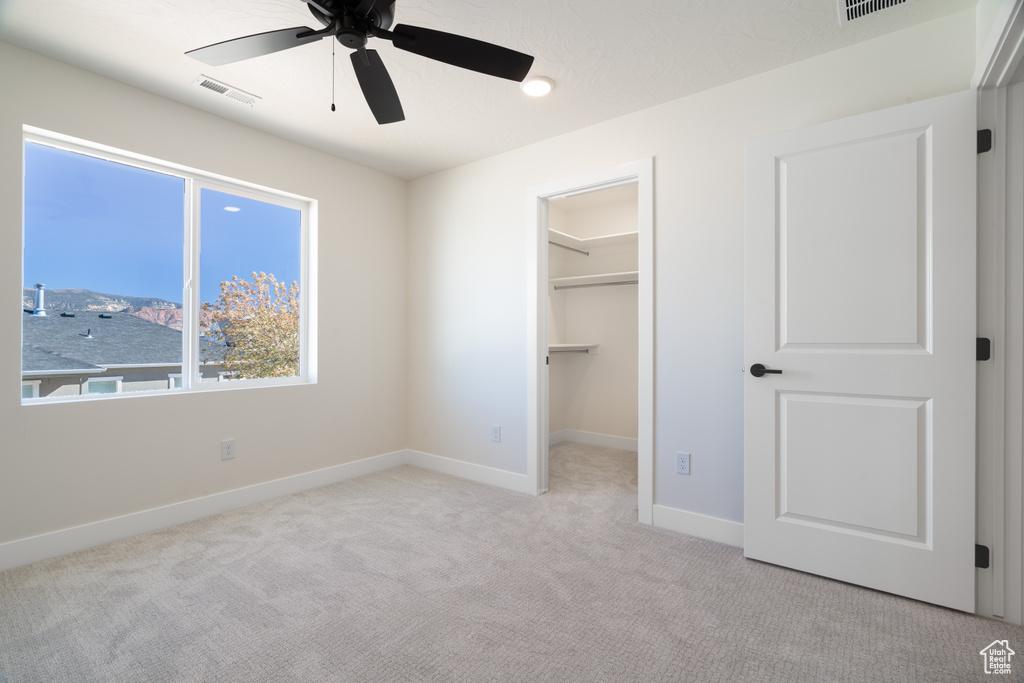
(166, 273)
(104, 385)
(30, 388)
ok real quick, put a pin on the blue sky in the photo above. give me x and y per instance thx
(112, 228)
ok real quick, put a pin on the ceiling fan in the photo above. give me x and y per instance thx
(352, 23)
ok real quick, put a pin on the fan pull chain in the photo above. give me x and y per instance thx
(332, 75)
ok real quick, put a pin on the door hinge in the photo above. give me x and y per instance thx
(984, 349)
(547, 360)
(984, 140)
(981, 556)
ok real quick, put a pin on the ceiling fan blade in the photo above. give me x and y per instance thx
(319, 5)
(378, 89)
(475, 55)
(258, 44)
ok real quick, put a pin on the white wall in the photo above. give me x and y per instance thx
(594, 392)
(610, 218)
(558, 264)
(468, 256)
(599, 389)
(986, 14)
(68, 464)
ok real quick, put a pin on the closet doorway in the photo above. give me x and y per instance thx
(591, 319)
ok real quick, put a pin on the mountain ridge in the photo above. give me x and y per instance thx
(88, 300)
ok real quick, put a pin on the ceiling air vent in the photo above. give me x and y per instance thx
(851, 10)
(227, 90)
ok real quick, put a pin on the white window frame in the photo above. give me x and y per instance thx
(306, 207)
(34, 383)
(118, 383)
(195, 181)
(170, 380)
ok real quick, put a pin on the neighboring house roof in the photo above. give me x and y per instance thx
(37, 359)
(114, 339)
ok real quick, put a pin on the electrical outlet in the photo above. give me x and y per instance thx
(227, 449)
(683, 463)
(495, 432)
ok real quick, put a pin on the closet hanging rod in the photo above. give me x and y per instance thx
(578, 251)
(569, 351)
(598, 284)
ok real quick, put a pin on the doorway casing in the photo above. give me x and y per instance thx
(999, 79)
(640, 172)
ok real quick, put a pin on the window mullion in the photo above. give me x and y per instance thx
(190, 291)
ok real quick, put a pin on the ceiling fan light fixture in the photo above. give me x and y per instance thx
(537, 86)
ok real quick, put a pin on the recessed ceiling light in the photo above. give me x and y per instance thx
(232, 209)
(538, 86)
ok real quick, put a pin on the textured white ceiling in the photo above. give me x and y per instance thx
(607, 58)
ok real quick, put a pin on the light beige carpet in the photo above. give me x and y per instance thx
(409, 575)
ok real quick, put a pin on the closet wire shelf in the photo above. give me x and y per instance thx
(603, 280)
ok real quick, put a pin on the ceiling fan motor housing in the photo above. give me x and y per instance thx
(381, 14)
(350, 33)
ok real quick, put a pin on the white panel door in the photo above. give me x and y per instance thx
(860, 265)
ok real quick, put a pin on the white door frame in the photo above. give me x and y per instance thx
(1000, 514)
(642, 173)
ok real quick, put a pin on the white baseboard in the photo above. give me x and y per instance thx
(44, 546)
(711, 528)
(468, 470)
(622, 443)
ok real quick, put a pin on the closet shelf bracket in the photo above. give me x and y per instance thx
(565, 246)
